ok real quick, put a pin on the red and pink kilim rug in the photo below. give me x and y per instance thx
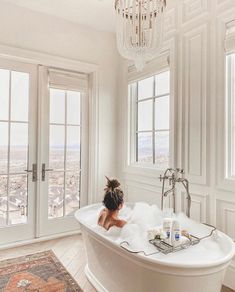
(40, 272)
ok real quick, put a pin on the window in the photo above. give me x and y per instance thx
(150, 99)
(230, 100)
(64, 153)
(230, 115)
(14, 124)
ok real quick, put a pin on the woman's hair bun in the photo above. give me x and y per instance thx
(112, 184)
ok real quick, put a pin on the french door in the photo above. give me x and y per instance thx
(18, 125)
(43, 150)
(64, 149)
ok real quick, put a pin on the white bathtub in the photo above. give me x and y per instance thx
(113, 269)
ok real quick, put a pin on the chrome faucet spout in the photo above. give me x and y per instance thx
(185, 183)
(165, 194)
(175, 176)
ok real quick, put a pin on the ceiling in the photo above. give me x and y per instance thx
(96, 14)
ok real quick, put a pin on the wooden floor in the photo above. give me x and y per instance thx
(71, 252)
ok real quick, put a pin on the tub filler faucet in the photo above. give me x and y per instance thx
(174, 176)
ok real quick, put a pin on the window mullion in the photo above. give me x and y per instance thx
(9, 152)
(153, 138)
(232, 112)
(136, 121)
(65, 153)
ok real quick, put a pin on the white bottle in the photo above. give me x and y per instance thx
(167, 228)
(175, 233)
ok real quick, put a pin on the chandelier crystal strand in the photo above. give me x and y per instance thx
(139, 29)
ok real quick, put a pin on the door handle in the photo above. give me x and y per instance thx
(44, 170)
(34, 172)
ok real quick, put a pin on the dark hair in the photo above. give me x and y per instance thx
(113, 196)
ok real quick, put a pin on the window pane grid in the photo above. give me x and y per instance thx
(153, 97)
(67, 199)
(230, 116)
(152, 113)
(13, 179)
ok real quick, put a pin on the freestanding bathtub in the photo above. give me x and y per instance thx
(113, 269)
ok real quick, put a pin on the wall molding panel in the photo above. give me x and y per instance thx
(226, 217)
(170, 23)
(199, 208)
(195, 96)
(192, 9)
(198, 30)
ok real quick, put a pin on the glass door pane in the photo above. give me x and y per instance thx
(64, 144)
(64, 153)
(17, 150)
(14, 148)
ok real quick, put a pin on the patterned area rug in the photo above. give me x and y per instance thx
(39, 272)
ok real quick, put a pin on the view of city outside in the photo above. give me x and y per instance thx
(13, 198)
(13, 178)
(64, 154)
(64, 148)
(64, 181)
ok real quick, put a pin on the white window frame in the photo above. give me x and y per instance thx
(230, 101)
(230, 116)
(223, 119)
(157, 66)
(133, 97)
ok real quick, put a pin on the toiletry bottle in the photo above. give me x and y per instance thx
(167, 227)
(175, 233)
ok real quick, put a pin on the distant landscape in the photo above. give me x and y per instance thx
(13, 202)
(145, 151)
(64, 191)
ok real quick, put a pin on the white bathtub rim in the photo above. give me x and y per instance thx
(93, 280)
(149, 260)
(154, 265)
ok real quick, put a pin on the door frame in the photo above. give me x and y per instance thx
(38, 58)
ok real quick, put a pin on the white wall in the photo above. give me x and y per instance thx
(195, 37)
(30, 30)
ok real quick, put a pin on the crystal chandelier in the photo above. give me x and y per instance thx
(139, 29)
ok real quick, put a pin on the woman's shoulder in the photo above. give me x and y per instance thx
(119, 223)
(102, 216)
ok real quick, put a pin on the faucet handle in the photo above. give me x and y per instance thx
(170, 181)
(160, 177)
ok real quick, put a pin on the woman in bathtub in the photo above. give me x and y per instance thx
(113, 202)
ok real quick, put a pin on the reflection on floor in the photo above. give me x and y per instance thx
(70, 251)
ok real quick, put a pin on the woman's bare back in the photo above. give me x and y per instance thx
(108, 220)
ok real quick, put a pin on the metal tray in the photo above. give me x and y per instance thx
(166, 248)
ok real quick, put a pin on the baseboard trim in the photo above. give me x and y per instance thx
(40, 239)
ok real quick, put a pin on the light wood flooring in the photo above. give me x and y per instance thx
(70, 251)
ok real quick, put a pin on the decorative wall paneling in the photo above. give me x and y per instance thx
(195, 96)
(199, 206)
(139, 192)
(192, 9)
(199, 96)
(226, 217)
(170, 23)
